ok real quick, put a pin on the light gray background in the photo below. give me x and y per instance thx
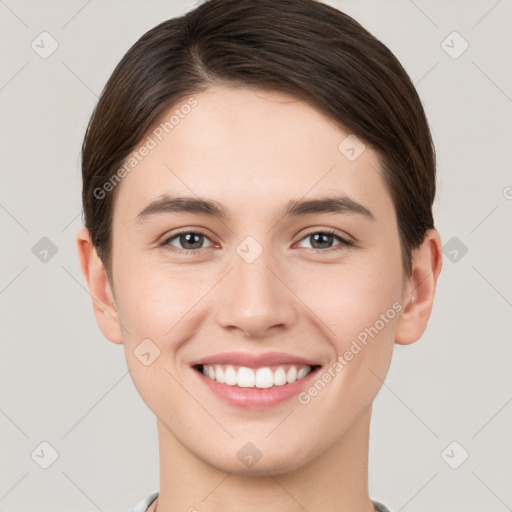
(63, 383)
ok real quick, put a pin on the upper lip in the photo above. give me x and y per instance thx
(253, 361)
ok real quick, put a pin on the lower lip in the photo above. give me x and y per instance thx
(257, 398)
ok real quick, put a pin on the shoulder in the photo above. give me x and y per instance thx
(380, 506)
(143, 505)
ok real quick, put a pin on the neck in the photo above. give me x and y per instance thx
(336, 480)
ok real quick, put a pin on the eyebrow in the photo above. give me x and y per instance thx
(294, 208)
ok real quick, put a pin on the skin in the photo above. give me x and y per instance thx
(254, 151)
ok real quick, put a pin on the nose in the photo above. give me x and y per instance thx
(256, 298)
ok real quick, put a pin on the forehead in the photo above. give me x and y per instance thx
(249, 150)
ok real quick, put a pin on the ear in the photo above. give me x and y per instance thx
(418, 297)
(105, 309)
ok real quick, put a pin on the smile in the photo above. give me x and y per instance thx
(264, 377)
(255, 388)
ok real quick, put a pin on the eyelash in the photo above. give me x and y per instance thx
(344, 242)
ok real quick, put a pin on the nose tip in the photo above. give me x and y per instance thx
(254, 299)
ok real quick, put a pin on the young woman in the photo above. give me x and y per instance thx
(258, 180)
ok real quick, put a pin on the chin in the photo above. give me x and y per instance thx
(267, 461)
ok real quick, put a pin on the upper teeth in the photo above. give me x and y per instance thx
(265, 377)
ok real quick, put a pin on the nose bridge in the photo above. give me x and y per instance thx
(253, 298)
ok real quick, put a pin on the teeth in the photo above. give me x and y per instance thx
(265, 377)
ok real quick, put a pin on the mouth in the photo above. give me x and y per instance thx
(255, 387)
(264, 377)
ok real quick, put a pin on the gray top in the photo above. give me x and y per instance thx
(143, 505)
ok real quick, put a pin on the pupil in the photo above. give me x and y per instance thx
(323, 237)
(187, 238)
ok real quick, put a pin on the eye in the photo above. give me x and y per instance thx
(189, 240)
(322, 239)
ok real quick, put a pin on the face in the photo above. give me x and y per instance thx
(323, 286)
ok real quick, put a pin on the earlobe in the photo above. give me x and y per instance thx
(418, 297)
(95, 274)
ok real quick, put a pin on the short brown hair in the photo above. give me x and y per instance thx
(301, 47)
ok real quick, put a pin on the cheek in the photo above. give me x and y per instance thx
(153, 300)
(156, 308)
(350, 299)
(361, 308)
